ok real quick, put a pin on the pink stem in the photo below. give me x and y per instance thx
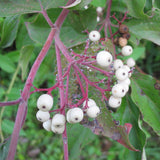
(46, 16)
(67, 88)
(80, 83)
(108, 24)
(65, 53)
(21, 113)
(100, 70)
(86, 48)
(2, 104)
(62, 100)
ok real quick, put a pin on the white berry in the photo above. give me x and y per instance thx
(90, 103)
(94, 36)
(68, 116)
(58, 130)
(117, 64)
(47, 125)
(114, 102)
(74, 115)
(127, 50)
(45, 102)
(121, 74)
(93, 111)
(127, 69)
(104, 58)
(126, 87)
(58, 120)
(42, 116)
(99, 9)
(131, 62)
(118, 90)
(98, 18)
(126, 81)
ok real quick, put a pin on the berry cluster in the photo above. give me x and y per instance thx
(74, 115)
(122, 71)
(89, 107)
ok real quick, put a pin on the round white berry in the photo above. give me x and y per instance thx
(42, 116)
(127, 50)
(126, 87)
(90, 103)
(121, 74)
(85, 7)
(45, 102)
(58, 120)
(94, 36)
(126, 81)
(127, 69)
(117, 64)
(58, 130)
(104, 58)
(99, 9)
(118, 90)
(131, 62)
(74, 115)
(93, 111)
(68, 116)
(47, 125)
(114, 102)
(98, 18)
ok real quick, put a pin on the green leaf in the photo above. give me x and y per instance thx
(156, 4)
(9, 31)
(46, 70)
(146, 29)
(109, 129)
(25, 55)
(12, 7)
(145, 96)
(78, 137)
(23, 38)
(4, 149)
(119, 6)
(99, 3)
(137, 53)
(15, 92)
(7, 127)
(136, 8)
(2, 92)
(82, 20)
(38, 30)
(129, 113)
(6, 64)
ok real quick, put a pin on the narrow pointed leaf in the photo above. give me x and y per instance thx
(146, 96)
(26, 53)
(9, 31)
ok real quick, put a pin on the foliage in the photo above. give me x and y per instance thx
(23, 32)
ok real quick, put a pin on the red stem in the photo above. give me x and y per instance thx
(46, 15)
(2, 104)
(108, 25)
(62, 100)
(21, 113)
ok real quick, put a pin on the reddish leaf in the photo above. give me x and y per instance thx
(104, 125)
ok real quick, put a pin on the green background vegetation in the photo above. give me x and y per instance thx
(22, 35)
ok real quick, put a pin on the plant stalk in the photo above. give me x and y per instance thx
(62, 100)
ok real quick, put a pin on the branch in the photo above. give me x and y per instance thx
(22, 109)
(9, 103)
(62, 100)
